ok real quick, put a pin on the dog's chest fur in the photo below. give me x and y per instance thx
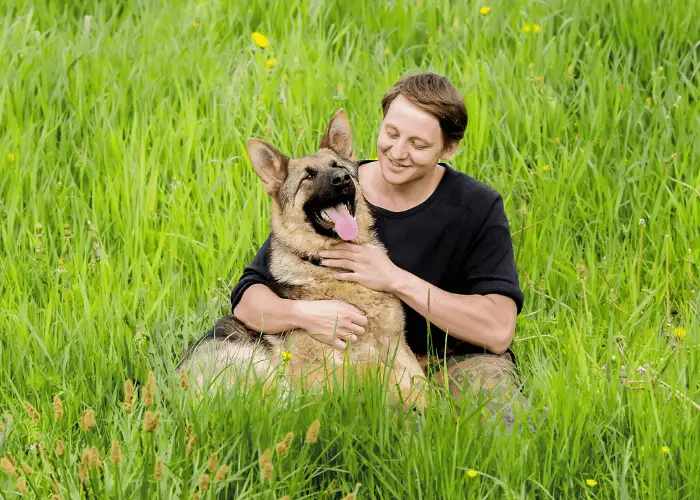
(302, 280)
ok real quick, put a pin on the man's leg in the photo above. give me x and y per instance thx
(491, 376)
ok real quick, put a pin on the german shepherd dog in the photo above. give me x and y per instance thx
(315, 202)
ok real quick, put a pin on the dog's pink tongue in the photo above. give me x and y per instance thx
(345, 224)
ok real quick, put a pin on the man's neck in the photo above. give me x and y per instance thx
(406, 196)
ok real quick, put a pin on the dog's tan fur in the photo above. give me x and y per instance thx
(292, 236)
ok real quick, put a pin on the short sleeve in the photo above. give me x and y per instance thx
(257, 271)
(490, 265)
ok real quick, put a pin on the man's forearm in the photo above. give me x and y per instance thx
(261, 309)
(476, 319)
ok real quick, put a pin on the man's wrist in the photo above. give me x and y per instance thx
(399, 282)
(296, 315)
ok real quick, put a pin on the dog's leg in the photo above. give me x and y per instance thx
(410, 378)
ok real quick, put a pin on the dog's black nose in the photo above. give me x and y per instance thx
(340, 179)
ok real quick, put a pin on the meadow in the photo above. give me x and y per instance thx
(128, 210)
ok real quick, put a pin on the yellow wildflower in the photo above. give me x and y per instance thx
(286, 356)
(485, 10)
(591, 482)
(259, 39)
(270, 63)
(665, 449)
(471, 473)
(545, 168)
(387, 52)
(527, 28)
(537, 28)
(679, 332)
(11, 158)
(195, 23)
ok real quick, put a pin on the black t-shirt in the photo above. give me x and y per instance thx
(458, 240)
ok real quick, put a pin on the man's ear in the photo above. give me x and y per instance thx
(338, 136)
(449, 150)
(269, 164)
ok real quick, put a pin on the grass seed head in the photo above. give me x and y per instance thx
(191, 443)
(8, 464)
(221, 473)
(21, 486)
(27, 470)
(91, 458)
(87, 421)
(128, 395)
(150, 421)
(204, 482)
(158, 470)
(115, 453)
(83, 474)
(212, 462)
(312, 433)
(183, 379)
(266, 466)
(31, 411)
(57, 407)
(283, 446)
(149, 391)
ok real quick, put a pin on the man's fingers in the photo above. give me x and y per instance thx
(354, 328)
(339, 344)
(338, 263)
(359, 319)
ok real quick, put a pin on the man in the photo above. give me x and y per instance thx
(450, 254)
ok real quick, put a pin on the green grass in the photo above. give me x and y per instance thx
(128, 210)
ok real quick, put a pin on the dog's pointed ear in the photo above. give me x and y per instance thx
(338, 136)
(268, 163)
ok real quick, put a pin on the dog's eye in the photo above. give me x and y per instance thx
(310, 174)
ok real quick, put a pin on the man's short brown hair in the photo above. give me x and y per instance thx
(438, 96)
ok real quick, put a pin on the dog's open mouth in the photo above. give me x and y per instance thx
(339, 218)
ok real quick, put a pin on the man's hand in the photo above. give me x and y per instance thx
(332, 322)
(369, 265)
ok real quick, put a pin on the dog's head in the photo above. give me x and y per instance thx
(316, 199)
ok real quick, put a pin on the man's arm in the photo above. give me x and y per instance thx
(484, 320)
(255, 304)
(262, 310)
(485, 313)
